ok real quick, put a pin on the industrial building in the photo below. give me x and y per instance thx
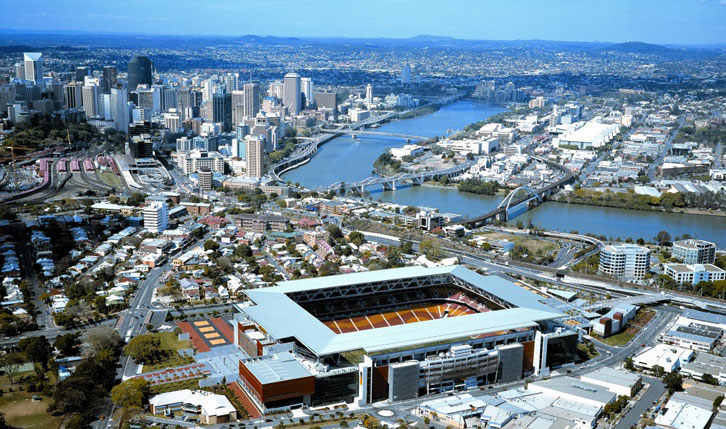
(668, 357)
(393, 334)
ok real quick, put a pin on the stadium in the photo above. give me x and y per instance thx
(393, 335)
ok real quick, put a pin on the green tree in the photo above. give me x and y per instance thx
(100, 339)
(663, 238)
(709, 379)
(11, 363)
(37, 349)
(67, 344)
(144, 348)
(629, 364)
(211, 245)
(430, 248)
(131, 393)
(356, 238)
(673, 381)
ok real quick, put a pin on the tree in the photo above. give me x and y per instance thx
(709, 379)
(430, 248)
(211, 245)
(37, 349)
(131, 393)
(67, 345)
(673, 382)
(717, 401)
(11, 363)
(629, 364)
(334, 231)
(663, 238)
(144, 348)
(102, 338)
(658, 370)
(356, 238)
(75, 394)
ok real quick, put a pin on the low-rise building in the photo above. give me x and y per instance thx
(694, 273)
(668, 357)
(617, 381)
(692, 251)
(212, 408)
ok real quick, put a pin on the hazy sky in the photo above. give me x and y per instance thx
(654, 21)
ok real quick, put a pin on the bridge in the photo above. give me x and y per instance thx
(375, 133)
(649, 298)
(511, 206)
(390, 182)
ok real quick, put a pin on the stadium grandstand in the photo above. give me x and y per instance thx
(392, 334)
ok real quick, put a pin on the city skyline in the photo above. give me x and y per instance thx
(687, 22)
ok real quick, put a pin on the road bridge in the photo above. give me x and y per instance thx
(513, 205)
(390, 182)
(376, 133)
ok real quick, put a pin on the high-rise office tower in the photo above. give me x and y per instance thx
(252, 99)
(20, 70)
(291, 93)
(33, 66)
(90, 100)
(238, 107)
(277, 89)
(82, 72)
(169, 100)
(308, 92)
(120, 109)
(255, 156)
(230, 82)
(222, 110)
(140, 71)
(327, 100)
(369, 95)
(145, 97)
(73, 95)
(156, 216)
(108, 79)
(406, 75)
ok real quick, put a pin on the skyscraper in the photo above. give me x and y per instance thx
(90, 100)
(108, 79)
(120, 109)
(222, 110)
(252, 99)
(73, 95)
(33, 66)
(82, 72)
(255, 156)
(238, 107)
(20, 70)
(291, 93)
(369, 95)
(406, 75)
(140, 70)
(308, 91)
(205, 179)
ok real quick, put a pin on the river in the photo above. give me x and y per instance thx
(351, 160)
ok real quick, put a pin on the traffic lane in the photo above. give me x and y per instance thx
(654, 392)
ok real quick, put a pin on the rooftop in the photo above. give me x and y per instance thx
(275, 368)
(281, 317)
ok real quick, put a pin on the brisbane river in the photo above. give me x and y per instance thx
(348, 160)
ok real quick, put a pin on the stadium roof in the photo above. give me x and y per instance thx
(281, 317)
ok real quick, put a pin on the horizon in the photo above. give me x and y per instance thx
(664, 22)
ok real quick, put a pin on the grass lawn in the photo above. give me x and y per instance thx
(110, 178)
(532, 243)
(21, 411)
(170, 341)
(620, 339)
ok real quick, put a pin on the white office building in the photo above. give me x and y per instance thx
(120, 109)
(33, 66)
(694, 251)
(156, 215)
(291, 94)
(624, 261)
(694, 273)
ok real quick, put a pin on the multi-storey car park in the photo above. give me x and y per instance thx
(393, 335)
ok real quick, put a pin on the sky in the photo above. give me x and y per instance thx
(651, 21)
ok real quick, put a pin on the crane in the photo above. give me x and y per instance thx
(13, 158)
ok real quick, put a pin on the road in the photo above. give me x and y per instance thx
(655, 391)
(664, 149)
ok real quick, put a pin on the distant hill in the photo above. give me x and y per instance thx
(638, 48)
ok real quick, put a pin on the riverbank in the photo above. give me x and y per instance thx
(642, 208)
